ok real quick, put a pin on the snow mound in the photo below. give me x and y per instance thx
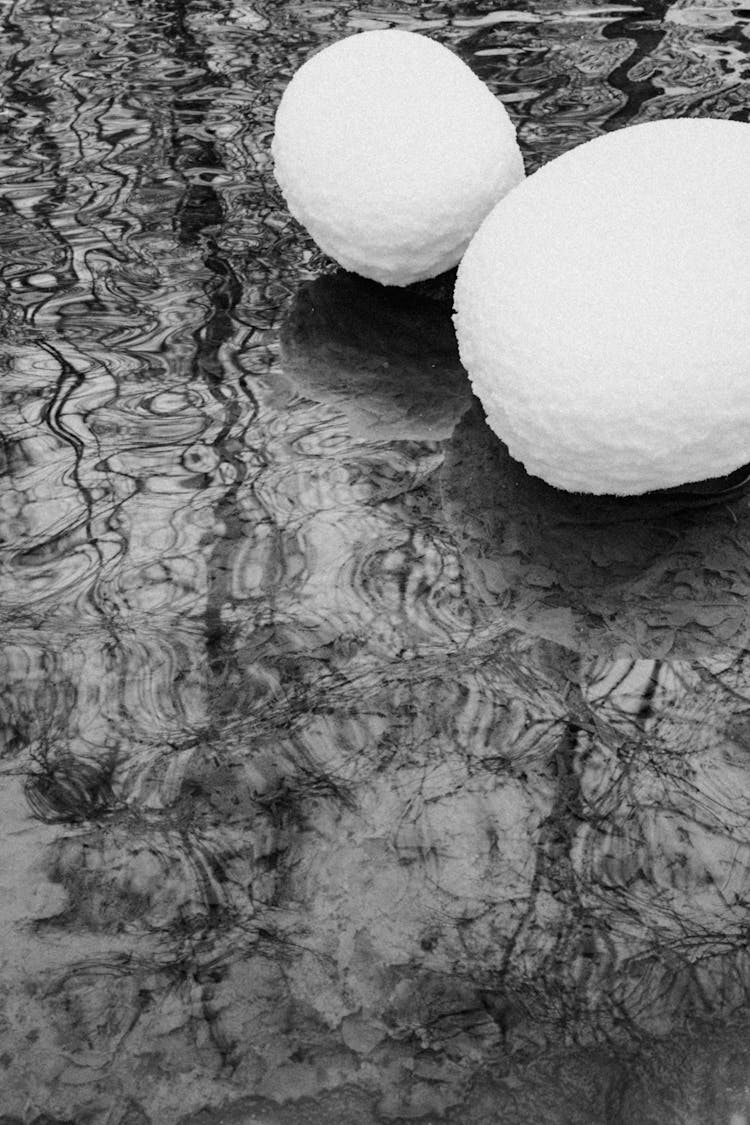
(391, 152)
(603, 310)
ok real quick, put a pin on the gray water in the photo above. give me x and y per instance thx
(349, 775)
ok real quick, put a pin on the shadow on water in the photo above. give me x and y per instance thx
(387, 359)
(663, 574)
(349, 773)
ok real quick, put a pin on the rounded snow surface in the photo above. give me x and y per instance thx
(603, 310)
(391, 152)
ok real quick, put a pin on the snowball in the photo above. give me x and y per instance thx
(390, 151)
(603, 310)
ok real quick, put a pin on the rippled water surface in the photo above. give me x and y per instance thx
(349, 775)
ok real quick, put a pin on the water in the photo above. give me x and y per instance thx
(348, 774)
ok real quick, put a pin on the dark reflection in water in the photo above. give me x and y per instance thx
(387, 359)
(665, 574)
(349, 774)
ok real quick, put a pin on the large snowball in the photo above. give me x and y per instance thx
(391, 152)
(603, 310)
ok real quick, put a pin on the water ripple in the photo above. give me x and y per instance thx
(332, 745)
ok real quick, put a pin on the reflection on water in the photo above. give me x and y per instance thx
(386, 359)
(661, 575)
(349, 774)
